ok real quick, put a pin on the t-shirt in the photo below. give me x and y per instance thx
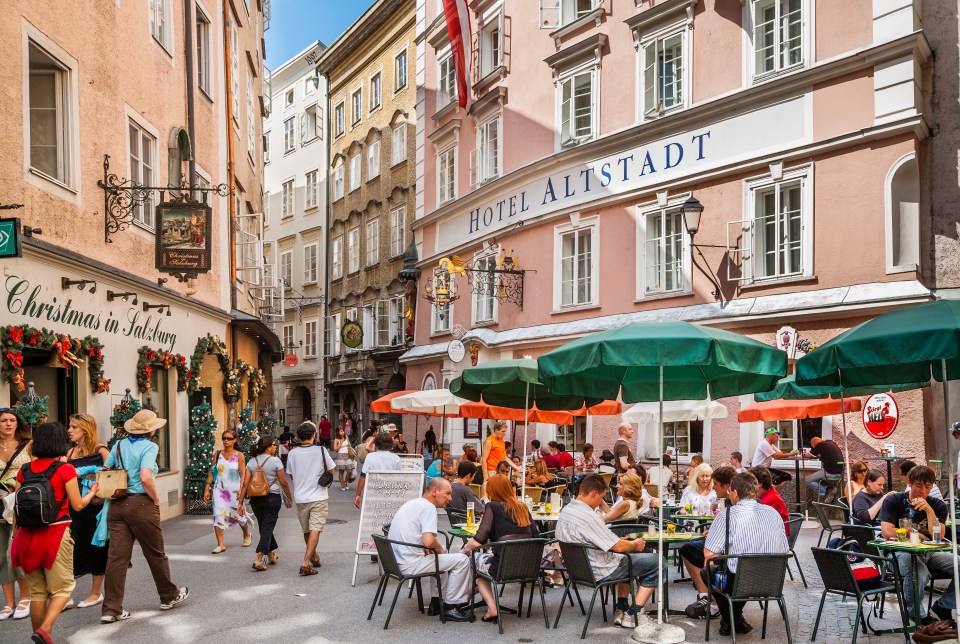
(551, 460)
(622, 450)
(897, 506)
(773, 499)
(58, 481)
(136, 453)
(271, 465)
(325, 428)
(414, 519)
(763, 457)
(830, 456)
(659, 476)
(579, 523)
(498, 452)
(564, 460)
(305, 465)
(862, 503)
(754, 529)
(460, 495)
(434, 470)
(381, 461)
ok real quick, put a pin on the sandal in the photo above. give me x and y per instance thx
(6, 613)
(272, 557)
(315, 562)
(258, 565)
(489, 620)
(306, 571)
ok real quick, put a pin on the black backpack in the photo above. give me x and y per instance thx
(36, 505)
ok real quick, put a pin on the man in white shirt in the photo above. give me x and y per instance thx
(416, 523)
(736, 462)
(305, 465)
(661, 476)
(380, 459)
(766, 452)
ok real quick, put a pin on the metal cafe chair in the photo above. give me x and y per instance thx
(580, 573)
(825, 525)
(518, 562)
(794, 525)
(759, 578)
(391, 569)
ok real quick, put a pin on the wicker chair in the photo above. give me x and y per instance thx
(476, 489)
(838, 579)
(825, 525)
(759, 578)
(794, 525)
(580, 573)
(518, 562)
(388, 562)
(535, 493)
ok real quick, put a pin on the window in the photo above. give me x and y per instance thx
(354, 172)
(143, 161)
(336, 257)
(662, 75)
(289, 135)
(790, 438)
(373, 241)
(778, 230)
(311, 124)
(333, 335)
(310, 339)
(576, 252)
(777, 35)
(310, 84)
(266, 147)
(235, 71)
(368, 318)
(204, 79)
(288, 337)
(398, 143)
(157, 400)
(160, 23)
(338, 119)
(446, 82)
(356, 104)
(491, 45)
(373, 160)
(663, 251)
(446, 168)
(558, 13)
(310, 263)
(684, 437)
(488, 151)
(398, 226)
(312, 195)
(485, 290)
(353, 250)
(397, 321)
(338, 182)
(288, 98)
(376, 91)
(286, 201)
(442, 316)
(49, 116)
(251, 120)
(577, 108)
(400, 71)
(286, 268)
(902, 215)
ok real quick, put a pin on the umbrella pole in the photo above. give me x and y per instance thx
(846, 446)
(526, 427)
(953, 486)
(660, 512)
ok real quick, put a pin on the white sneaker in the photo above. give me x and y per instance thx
(182, 597)
(110, 619)
(618, 617)
(70, 604)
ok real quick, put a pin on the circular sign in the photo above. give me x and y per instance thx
(290, 360)
(351, 334)
(880, 415)
(456, 351)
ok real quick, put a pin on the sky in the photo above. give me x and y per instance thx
(295, 24)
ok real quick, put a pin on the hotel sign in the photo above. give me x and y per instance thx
(744, 136)
(184, 235)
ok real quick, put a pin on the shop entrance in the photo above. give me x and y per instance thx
(50, 378)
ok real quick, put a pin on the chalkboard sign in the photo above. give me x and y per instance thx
(383, 495)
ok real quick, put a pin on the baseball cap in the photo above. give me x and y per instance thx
(771, 430)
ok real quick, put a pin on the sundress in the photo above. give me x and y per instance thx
(344, 460)
(225, 491)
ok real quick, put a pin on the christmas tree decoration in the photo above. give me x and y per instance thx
(200, 452)
(269, 425)
(32, 407)
(122, 412)
(69, 351)
(247, 435)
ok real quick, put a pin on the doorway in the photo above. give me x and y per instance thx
(49, 379)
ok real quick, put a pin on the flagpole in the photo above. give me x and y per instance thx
(660, 509)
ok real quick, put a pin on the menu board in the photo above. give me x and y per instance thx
(383, 495)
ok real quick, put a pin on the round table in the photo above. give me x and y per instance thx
(914, 550)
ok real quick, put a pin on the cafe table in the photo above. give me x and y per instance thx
(669, 539)
(915, 550)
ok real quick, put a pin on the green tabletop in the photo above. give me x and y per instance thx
(693, 517)
(676, 537)
(463, 532)
(906, 546)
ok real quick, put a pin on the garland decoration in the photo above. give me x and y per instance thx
(247, 435)
(70, 351)
(205, 345)
(200, 453)
(166, 359)
(268, 421)
(232, 377)
(122, 412)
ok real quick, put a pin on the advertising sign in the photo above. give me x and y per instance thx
(351, 334)
(383, 494)
(9, 237)
(184, 235)
(880, 415)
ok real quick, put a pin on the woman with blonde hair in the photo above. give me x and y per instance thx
(700, 494)
(504, 518)
(634, 500)
(538, 476)
(87, 456)
(858, 474)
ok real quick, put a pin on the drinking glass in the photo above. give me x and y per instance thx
(907, 525)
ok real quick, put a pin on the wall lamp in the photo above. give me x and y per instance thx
(160, 308)
(66, 283)
(112, 295)
(692, 211)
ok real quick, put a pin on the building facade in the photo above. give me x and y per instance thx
(371, 181)
(104, 103)
(295, 212)
(799, 126)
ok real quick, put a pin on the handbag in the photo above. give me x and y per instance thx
(722, 572)
(936, 632)
(259, 485)
(326, 479)
(113, 481)
(352, 452)
(6, 494)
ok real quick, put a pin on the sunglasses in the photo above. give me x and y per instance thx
(229, 438)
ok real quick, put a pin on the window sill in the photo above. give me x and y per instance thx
(397, 90)
(440, 334)
(336, 199)
(656, 116)
(376, 176)
(903, 268)
(594, 16)
(446, 109)
(54, 181)
(206, 94)
(483, 323)
(394, 164)
(309, 210)
(575, 308)
(370, 267)
(309, 283)
(445, 201)
(766, 76)
(336, 279)
(142, 226)
(496, 74)
(662, 296)
(569, 145)
(304, 144)
(167, 473)
(777, 281)
(353, 190)
(289, 152)
(375, 108)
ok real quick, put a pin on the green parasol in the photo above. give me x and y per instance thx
(788, 389)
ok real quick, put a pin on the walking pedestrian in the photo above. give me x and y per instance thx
(306, 465)
(87, 456)
(348, 426)
(137, 517)
(324, 427)
(42, 546)
(379, 459)
(266, 507)
(345, 459)
(429, 448)
(14, 453)
(224, 480)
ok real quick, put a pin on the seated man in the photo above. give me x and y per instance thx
(503, 467)
(692, 553)
(753, 529)
(766, 452)
(461, 494)
(736, 462)
(905, 468)
(580, 523)
(869, 500)
(416, 522)
(444, 466)
(549, 454)
(564, 460)
(661, 476)
(921, 508)
(831, 458)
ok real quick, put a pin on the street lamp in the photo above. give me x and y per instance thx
(691, 211)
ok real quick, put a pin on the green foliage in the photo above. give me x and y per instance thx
(34, 411)
(269, 425)
(122, 412)
(246, 430)
(200, 453)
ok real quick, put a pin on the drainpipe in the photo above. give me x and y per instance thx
(326, 286)
(228, 78)
(188, 57)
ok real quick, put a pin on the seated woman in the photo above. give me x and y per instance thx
(695, 461)
(867, 504)
(538, 476)
(586, 462)
(517, 474)
(767, 494)
(699, 495)
(504, 518)
(634, 500)
(858, 476)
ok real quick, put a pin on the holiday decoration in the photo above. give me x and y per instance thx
(268, 420)
(69, 351)
(150, 357)
(122, 412)
(247, 435)
(32, 407)
(232, 377)
(200, 453)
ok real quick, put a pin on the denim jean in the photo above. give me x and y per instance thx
(813, 482)
(940, 563)
(644, 569)
(267, 510)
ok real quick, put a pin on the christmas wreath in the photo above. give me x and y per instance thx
(150, 357)
(70, 351)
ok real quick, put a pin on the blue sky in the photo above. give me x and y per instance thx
(294, 24)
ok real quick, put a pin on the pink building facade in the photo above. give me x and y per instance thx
(799, 126)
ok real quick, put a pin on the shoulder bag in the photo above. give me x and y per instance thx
(326, 479)
(5, 492)
(113, 481)
(259, 485)
(722, 572)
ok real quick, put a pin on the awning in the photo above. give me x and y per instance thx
(255, 328)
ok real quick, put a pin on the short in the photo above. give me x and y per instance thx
(313, 515)
(59, 580)
(693, 552)
(644, 569)
(484, 560)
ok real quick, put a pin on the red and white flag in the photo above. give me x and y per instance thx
(458, 30)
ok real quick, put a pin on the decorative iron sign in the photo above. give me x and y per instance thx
(184, 236)
(351, 334)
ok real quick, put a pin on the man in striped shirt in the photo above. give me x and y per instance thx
(753, 529)
(580, 523)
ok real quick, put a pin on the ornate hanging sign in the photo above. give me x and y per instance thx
(351, 334)
(184, 235)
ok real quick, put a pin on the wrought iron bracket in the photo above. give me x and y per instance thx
(121, 196)
(505, 284)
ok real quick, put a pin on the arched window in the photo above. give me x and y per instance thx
(902, 215)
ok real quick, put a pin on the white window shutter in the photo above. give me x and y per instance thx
(303, 127)
(740, 250)
(474, 169)
(549, 14)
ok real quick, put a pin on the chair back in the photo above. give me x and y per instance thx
(821, 510)
(560, 489)
(633, 527)
(835, 570)
(476, 489)
(794, 526)
(551, 470)
(519, 559)
(458, 516)
(388, 558)
(535, 493)
(652, 489)
(863, 535)
(760, 575)
(577, 563)
(607, 477)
